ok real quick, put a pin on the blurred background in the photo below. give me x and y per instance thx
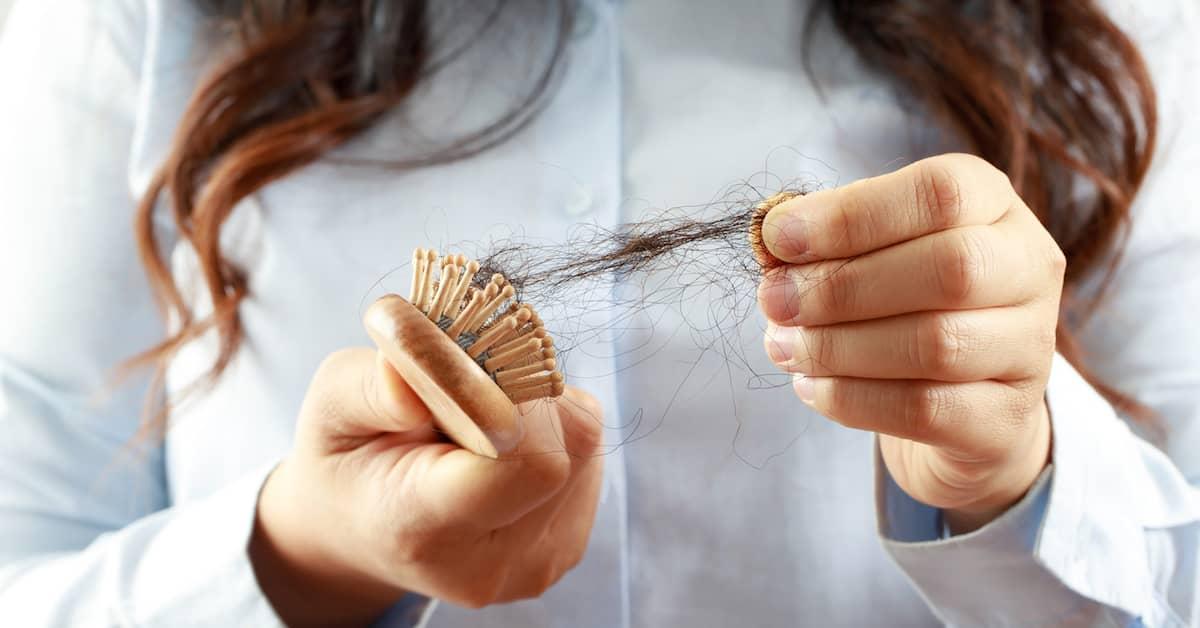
(4, 4)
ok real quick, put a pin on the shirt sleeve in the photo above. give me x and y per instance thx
(87, 537)
(1110, 534)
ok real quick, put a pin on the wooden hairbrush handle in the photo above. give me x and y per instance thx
(466, 403)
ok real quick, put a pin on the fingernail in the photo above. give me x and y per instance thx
(778, 296)
(780, 342)
(803, 386)
(785, 233)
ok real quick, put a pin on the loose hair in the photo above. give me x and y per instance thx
(1052, 92)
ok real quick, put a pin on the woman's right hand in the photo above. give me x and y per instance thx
(371, 504)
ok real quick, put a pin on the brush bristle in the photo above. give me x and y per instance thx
(502, 335)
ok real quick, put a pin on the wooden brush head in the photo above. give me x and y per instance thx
(470, 352)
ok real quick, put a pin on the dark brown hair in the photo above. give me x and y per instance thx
(1050, 91)
(300, 79)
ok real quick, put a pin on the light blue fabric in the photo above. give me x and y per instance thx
(726, 502)
(1115, 532)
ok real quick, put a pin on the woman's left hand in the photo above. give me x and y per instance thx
(922, 305)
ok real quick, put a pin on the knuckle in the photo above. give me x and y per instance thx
(994, 178)
(1027, 396)
(327, 408)
(420, 539)
(960, 264)
(941, 345)
(483, 591)
(590, 433)
(577, 542)
(938, 192)
(980, 170)
(1019, 401)
(429, 543)
(587, 406)
(583, 418)
(575, 555)
(550, 574)
(841, 231)
(492, 585)
(547, 472)
(591, 440)
(1047, 337)
(1009, 414)
(533, 579)
(416, 548)
(820, 348)
(1056, 261)
(840, 402)
(337, 361)
(1041, 338)
(835, 292)
(850, 224)
(325, 395)
(929, 409)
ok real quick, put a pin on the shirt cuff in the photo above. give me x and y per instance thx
(1110, 488)
(194, 568)
(985, 577)
(201, 574)
(1072, 551)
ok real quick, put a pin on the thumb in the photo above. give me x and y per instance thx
(402, 410)
(357, 393)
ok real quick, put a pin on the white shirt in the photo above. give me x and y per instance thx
(726, 502)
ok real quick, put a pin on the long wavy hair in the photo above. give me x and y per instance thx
(1052, 92)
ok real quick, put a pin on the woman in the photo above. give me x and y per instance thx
(1007, 490)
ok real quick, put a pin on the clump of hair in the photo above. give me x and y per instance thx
(670, 238)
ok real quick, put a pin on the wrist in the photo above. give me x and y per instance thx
(1011, 481)
(298, 570)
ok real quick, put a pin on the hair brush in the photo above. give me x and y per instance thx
(468, 348)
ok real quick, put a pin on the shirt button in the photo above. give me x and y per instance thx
(580, 201)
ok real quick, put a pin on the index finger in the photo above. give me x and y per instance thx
(927, 196)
